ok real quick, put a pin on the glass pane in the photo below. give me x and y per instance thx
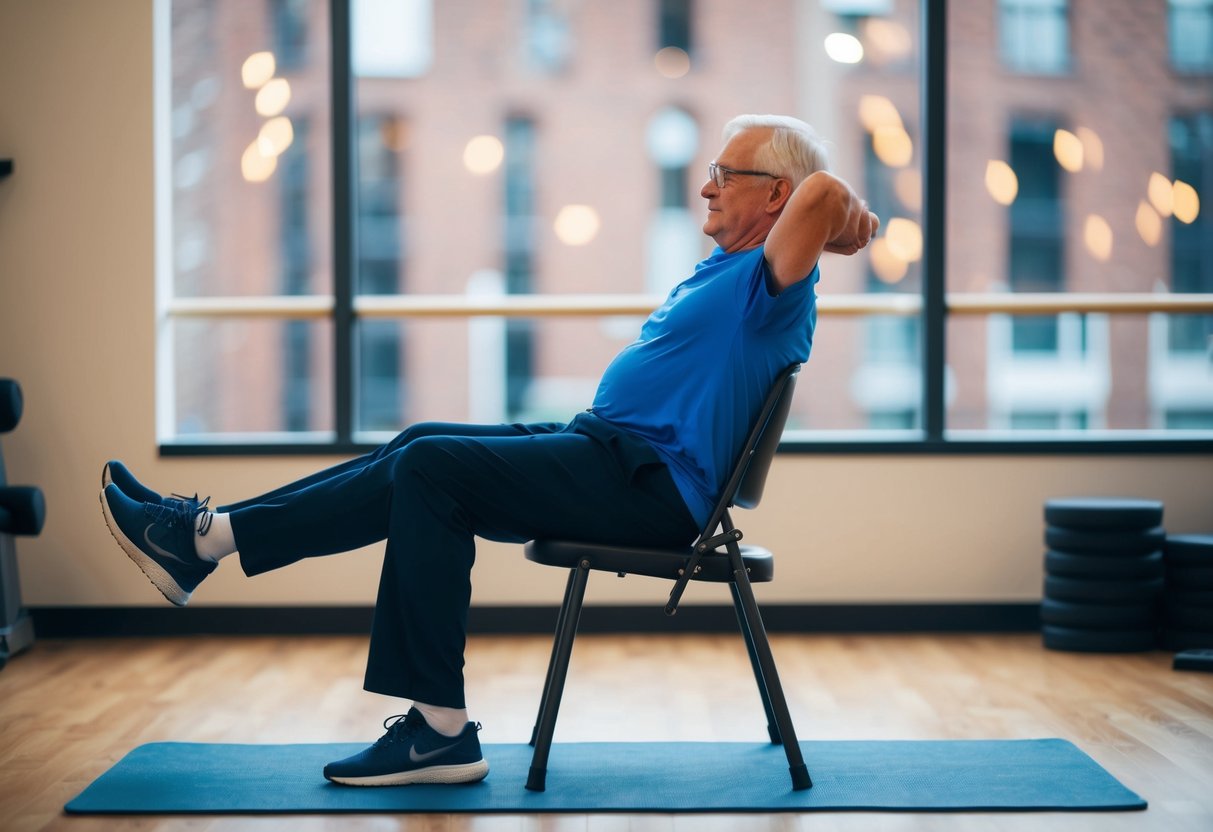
(1079, 387)
(249, 120)
(249, 376)
(458, 369)
(864, 373)
(1081, 183)
(559, 148)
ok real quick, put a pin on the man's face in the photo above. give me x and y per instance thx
(737, 215)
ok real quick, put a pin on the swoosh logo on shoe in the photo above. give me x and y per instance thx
(422, 757)
(162, 552)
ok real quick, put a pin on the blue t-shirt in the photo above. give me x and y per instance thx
(693, 382)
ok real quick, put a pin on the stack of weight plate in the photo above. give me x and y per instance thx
(1188, 600)
(1103, 574)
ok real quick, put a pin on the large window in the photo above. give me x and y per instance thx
(385, 211)
(1190, 34)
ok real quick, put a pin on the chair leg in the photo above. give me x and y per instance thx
(783, 719)
(748, 635)
(547, 682)
(536, 778)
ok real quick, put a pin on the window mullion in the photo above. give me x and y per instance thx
(344, 182)
(934, 178)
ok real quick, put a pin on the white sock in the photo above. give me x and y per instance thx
(446, 721)
(218, 541)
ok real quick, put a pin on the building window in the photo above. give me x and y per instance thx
(291, 36)
(548, 35)
(674, 19)
(520, 213)
(1192, 237)
(1034, 35)
(383, 381)
(1037, 230)
(1190, 35)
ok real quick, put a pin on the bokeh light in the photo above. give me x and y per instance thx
(255, 166)
(844, 48)
(1097, 236)
(672, 62)
(273, 97)
(257, 69)
(1001, 182)
(483, 154)
(576, 225)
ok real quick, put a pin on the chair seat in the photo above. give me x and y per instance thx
(655, 563)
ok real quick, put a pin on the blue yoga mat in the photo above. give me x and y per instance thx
(946, 775)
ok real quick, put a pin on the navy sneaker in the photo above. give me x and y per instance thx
(117, 473)
(413, 752)
(160, 539)
(121, 476)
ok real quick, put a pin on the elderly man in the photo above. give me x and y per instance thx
(643, 465)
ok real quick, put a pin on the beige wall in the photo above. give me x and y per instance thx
(77, 330)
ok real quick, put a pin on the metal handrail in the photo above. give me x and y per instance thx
(545, 306)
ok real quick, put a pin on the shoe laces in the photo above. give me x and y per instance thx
(400, 727)
(182, 511)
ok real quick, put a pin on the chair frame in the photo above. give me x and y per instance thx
(744, 489)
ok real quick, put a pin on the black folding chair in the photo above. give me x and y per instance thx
(738, 566)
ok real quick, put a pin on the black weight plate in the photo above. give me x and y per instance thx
(1183, 617)
(11, 404)
(1189, 549)
(1103, 513)
(1191, 598)
(1107, 592)
(1099, 616)
(1174, 639)
(1092, 542)
(1097, 641)
(1101, 567)
(1190, 577)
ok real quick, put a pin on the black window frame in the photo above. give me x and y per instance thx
(931, 439)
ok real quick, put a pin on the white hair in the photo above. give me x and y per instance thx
(794, 151)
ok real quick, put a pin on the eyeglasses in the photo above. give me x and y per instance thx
(717, 173)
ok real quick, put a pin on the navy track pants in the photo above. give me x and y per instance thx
(429, 492)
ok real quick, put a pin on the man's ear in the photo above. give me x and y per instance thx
(780, 193)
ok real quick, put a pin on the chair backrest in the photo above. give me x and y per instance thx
(749, 476)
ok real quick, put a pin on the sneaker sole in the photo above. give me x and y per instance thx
(467, 773)
(162, 580)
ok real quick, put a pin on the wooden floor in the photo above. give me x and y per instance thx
(69, 709)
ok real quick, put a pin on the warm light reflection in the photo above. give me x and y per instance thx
(887, 38)
(892, 146)
(257, 69)
(1185, 202)
(907, 184)
(394, 133)
(273, 97)
(844, 48)
(1092, 147)
(1159, 193)
(1001, 182)
(276, 136)
(483, 154)
(1149, 224)
(1097, 235)
(888, 267)
(904, 239)
(576, 225)
(1067, 148)
(672, 62)
(255, 166)
(876, 111)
